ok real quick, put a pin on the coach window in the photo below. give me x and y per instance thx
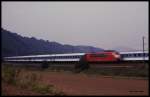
(139, 54)
(123, 55)
(147, 55)
(130, 55)
(70, 57)
(66, 57)
(126, 55)
(134, 55)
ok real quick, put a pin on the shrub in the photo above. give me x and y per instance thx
(10, 74)
(43, 88)
(27, 80)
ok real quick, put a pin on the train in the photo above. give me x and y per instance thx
(104, 56)
(135, 56)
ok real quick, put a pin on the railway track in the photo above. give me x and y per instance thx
(72, 64)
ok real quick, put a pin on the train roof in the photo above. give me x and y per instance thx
(131, 52)
(47, 55)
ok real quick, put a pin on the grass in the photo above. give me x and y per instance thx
(130, 72)
(43, 89)
(116, 71)
(27, 80)
(9, 74)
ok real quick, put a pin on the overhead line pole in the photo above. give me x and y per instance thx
(143, 50)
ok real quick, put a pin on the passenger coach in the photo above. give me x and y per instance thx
(49, 58)
(135, 56)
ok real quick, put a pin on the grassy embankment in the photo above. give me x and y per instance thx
(139, 71)
(23, 79)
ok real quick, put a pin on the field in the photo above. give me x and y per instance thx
(52, 81)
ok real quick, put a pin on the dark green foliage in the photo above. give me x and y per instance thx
(14, 44)
(131, 72)
(9, 74)
(29, 80)
(40, 88)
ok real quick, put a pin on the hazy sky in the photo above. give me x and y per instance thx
(102, 24)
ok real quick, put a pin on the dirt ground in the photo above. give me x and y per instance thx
(11, 90)
(82, 84)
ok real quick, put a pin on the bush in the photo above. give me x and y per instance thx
(10, 74)
(43, 88)
(27, 80)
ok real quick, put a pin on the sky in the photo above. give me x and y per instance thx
(108, 25)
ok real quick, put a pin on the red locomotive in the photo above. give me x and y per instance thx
(106, 56)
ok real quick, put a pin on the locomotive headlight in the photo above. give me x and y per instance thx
(116, 55)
